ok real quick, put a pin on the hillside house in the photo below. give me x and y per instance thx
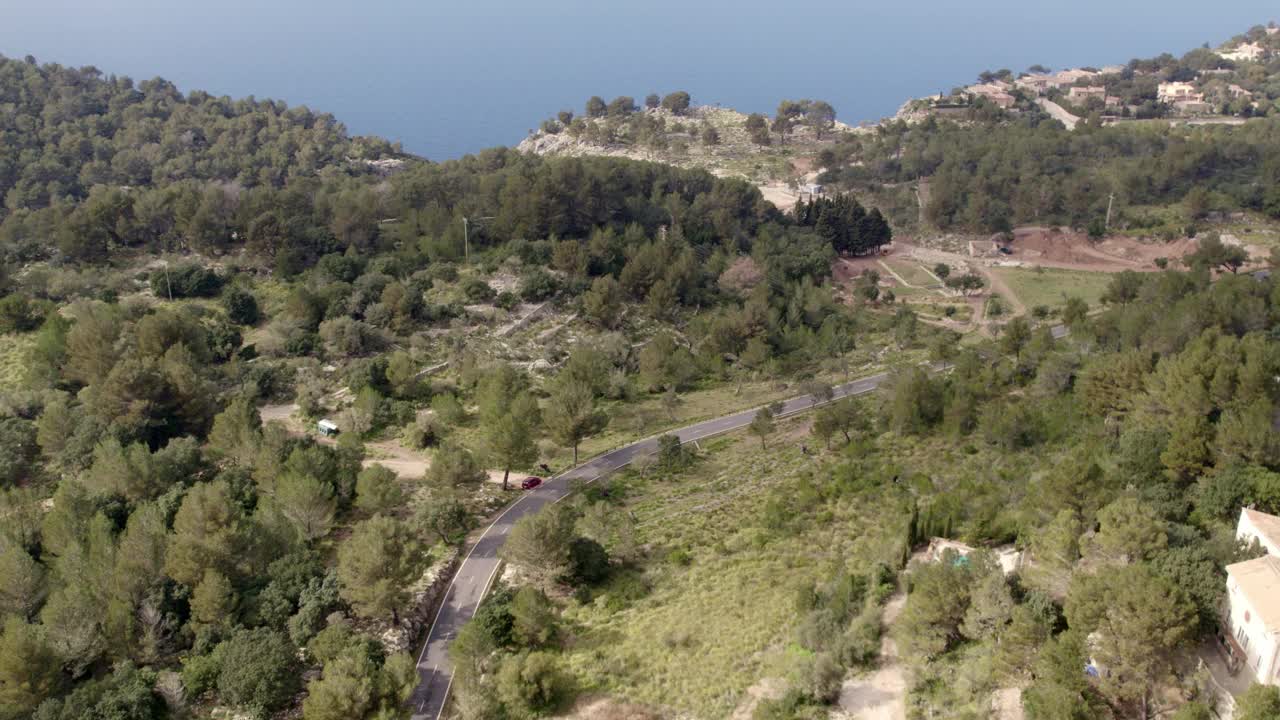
(1245, 52)
(1236, 91)
(1172, 92)
(1080, 95)
(997, 93)
(1252, 614)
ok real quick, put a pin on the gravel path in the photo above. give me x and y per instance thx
(881, 694)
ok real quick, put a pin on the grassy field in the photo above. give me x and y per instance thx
(936, 308)
(912, 273)
(13, 357)
(721, 613)
(1051, 287)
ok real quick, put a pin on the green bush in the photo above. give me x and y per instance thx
(127, 693)
(257, 670)
(448, 409)
(21, 314)
(241, 306)
(200, 673)
(530, 684)
(184, 281)
(588, 562)
(538, 285)
(477, 291)
(507, 300)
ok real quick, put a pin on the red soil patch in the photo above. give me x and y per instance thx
(1072, 250)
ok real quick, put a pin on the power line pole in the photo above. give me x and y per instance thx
(1111, 200)
(466, 239)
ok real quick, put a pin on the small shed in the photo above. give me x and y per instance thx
(327, 427)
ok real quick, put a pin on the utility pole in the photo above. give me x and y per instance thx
(1111, 200)
(466, 239)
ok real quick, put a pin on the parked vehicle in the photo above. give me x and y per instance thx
(530, 483)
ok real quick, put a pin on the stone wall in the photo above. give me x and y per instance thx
(426, 595)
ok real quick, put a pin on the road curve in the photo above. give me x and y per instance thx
(1059, 113)
(476, 573)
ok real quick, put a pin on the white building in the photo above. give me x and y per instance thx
(1253, 600)
(1245, 52)
(1172, 92)
(1259, 526)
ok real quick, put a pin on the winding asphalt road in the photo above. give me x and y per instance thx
(476, 573)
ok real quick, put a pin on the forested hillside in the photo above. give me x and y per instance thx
(191, 283)
(66, 130)
(991, 177)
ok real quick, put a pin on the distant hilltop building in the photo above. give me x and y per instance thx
(1043, 82)
(997, 92)
(1245, 52)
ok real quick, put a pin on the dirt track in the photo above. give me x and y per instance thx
(880, 695)
(1001, 288)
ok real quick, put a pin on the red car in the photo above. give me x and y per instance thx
(530, 483)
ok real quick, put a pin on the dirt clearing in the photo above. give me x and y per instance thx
(405, 463)
(1006, 704)
(1060, 248)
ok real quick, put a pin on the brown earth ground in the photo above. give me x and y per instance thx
(603, 707)
(880, 694)
(1075, 251)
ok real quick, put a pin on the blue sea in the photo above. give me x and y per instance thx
(446, 79)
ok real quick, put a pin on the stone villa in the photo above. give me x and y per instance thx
(1252, 613)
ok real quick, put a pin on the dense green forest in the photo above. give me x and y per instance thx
(66, 130)
(172, 263)
(1034, 171)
